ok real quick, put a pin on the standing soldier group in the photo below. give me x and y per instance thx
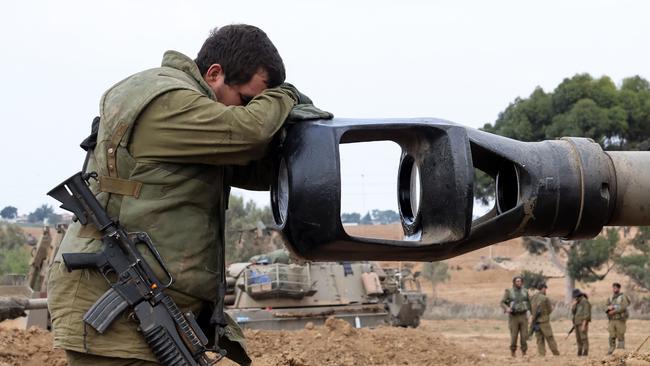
(516, 304)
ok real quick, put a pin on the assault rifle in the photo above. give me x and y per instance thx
(534, 325)
(573, 327)
(174, 337)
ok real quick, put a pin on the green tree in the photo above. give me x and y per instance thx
(40, 213)
(14, 256)
(385, 216)
(533, 279)
(366, 219)
(436, 272)
(636, 265)
(581, 106)
(11, 237)
(9, 212)
(617, 118)
(587, 257)
(588, 260)
(353, 217)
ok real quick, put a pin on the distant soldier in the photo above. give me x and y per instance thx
(617, 314)
(515, 302)
(581, 310)
(541, 321)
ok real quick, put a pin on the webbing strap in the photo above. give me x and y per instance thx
(111, 151)
(120, 186)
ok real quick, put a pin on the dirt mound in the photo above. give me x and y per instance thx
(338, 343)
(31, 347)
(624, 359)
(335, 343)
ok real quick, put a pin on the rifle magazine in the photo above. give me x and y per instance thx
(105, 310)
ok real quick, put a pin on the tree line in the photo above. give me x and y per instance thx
(618, 118)
(375, 216)
(39, 215)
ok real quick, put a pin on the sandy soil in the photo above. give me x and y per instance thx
(449, 342)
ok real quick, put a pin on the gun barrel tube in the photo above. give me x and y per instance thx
(632, 206)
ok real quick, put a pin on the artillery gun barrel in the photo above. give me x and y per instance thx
(632, 169)
(568, 188)
(14, 307)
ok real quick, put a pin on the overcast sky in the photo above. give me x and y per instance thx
(459, 60)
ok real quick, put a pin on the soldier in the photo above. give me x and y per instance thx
(581, 310)
(617, 314)
(541, 321)
(169, 144)
(516, 304)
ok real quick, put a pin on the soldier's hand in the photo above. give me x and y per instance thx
(304, 110)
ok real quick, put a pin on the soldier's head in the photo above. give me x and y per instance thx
(577, 293)
(542, 288)
(616, 287)
(238, 62)
(518, 281)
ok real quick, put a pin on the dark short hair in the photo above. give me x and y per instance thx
(541, 286)
(517, 277)
(241, 50)
(616, 284)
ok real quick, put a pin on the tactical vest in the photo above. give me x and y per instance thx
(617, 301)
(180, 206)
(518, 301)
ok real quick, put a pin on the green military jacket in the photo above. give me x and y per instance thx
(581, 311)
(516, 299)
(541, 303)
(166, 155)
(620, 302)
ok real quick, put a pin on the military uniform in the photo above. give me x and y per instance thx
(166, 155)
(616, 326)
(541, 304)
(516, 299)
(581, 311)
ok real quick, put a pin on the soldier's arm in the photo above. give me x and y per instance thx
(184, 126)
(548, 306)
(625, 302)
(505, 301)
(255, 176)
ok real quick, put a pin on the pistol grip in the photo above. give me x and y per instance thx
(105, 310)
(75, 261)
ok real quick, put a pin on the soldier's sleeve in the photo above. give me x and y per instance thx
(588, 311)
(625, 302)
(255, 176)
(184, 126)
(548, 306)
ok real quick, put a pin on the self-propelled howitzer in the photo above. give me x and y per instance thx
(567, 188)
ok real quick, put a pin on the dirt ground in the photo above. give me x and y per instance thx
(448, 342)
(435, 342)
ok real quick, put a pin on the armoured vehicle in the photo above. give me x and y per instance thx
(271, 293)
